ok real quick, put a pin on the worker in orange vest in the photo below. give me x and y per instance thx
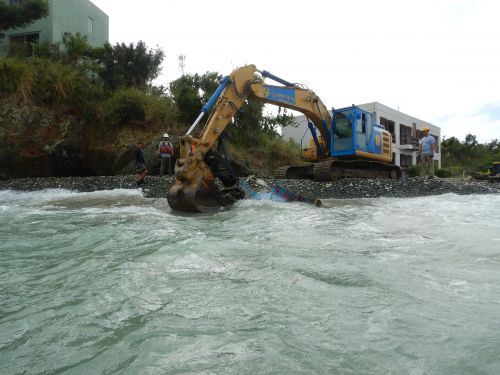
(165, 151)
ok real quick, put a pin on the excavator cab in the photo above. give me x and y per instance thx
(342, 134)
(355, 134)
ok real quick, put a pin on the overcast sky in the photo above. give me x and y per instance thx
(437, 60)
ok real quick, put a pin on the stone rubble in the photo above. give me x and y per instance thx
(157, 187)
(373, 188)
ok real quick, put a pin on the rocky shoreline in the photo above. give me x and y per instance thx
(157, 187)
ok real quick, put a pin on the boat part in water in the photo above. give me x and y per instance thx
(257, 189)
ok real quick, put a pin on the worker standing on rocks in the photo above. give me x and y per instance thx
(427, 148)
(166, 151)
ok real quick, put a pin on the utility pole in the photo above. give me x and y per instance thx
(182, 63)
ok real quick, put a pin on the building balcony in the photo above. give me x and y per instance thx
(408, 142)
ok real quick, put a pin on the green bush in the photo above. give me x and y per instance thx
(133, 104)
(21, 50)
(46, 50)
(47, 83)
(16, 77)
(62, 84)
(455, 170)
(266, 154)
(413, 171)
(443, 173)
(125, 104)
(160, 109)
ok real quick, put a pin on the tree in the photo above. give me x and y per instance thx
(76, 47)
(470, 140)
(272, 123)
(208, 84)
(470, 155)
(22, 14)
(248, 124)
(189, 92)
(493, 146)
(186, 97)
(129, 65)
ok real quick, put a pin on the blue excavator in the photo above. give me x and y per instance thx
(345, 143)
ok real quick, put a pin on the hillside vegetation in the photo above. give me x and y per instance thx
(107, 96)
(75, 110)
(468, 156)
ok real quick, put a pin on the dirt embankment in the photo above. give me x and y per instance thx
(38, 142)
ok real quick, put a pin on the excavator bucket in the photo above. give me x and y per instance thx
(210, 198)
(202, 198)
(191, 198)
(195, 188)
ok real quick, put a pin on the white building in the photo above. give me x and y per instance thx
(405, 130)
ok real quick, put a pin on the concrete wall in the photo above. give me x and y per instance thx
(65, 16)
(379, 110)
(73, 16)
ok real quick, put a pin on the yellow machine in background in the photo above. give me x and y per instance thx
(348, 145)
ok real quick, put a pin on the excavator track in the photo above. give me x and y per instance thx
(281, 172)
(322, 170)
(336, 169)
(295, 172)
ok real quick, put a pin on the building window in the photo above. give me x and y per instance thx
(405, 137)
(389, 126)
(31, 38)
(90, 24)
(25, 38)
(22, 44)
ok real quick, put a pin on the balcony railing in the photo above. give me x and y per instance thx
(409, 140)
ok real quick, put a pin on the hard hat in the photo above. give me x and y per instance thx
(165, 135)
(425, 129)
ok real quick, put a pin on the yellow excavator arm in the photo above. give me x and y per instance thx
(240, 87)
(195, 188)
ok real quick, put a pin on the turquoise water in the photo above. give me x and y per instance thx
(110, 282)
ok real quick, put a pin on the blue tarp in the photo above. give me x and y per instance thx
(260, 191)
